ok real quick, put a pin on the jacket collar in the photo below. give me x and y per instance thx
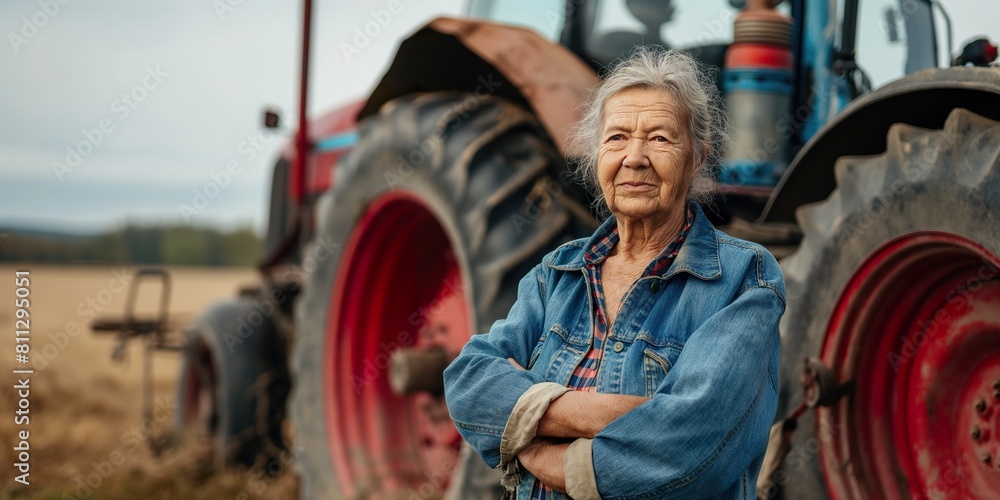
(698, 256)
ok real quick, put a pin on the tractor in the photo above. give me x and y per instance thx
(401, 224)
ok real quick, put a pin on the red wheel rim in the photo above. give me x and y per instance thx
(918, 329)
(199, 389)
(399, 285)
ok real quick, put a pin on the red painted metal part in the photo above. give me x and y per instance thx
(918, 329)
(399, 285)
(320, 165)
(297, 180)
(751, 55)
(199, 397)
(318, 174)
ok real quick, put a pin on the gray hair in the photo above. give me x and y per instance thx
(691, 82)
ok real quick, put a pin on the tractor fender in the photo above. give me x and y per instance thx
(923, 99)
(483, 58)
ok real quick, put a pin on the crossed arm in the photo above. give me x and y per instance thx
(573, 415)
(698, 451)
(478, 384)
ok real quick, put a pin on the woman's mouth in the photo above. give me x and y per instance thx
(636, 186)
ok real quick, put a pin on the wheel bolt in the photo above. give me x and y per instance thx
(980, 405)
(985, 457)
(976, 433)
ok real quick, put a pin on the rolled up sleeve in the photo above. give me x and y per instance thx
(708, 422)
(578, 470)
(482, 388)
(522, 425)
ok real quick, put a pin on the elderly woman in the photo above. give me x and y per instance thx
(640, 362)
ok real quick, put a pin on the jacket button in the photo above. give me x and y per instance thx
(618, 347)
(654, 286)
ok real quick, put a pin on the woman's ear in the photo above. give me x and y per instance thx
(696, 171)
(706, 151)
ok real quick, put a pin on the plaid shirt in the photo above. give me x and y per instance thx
(584, 377)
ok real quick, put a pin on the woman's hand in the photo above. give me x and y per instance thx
(543, 458)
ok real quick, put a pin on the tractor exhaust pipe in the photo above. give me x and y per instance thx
(297, 176)
(302, 137)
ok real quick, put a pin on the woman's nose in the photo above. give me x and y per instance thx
(636, 155)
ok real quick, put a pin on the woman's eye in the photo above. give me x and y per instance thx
(616, 137)
(660, 138)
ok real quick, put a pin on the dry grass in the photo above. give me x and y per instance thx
(85, 410)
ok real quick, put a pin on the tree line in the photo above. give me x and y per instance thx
(134, 244)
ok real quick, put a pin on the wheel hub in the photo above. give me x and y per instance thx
(918, 329)
(983, 421)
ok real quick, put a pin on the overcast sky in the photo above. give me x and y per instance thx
(217, 69)
(162, 95)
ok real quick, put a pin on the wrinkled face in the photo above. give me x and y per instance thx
(646, 160)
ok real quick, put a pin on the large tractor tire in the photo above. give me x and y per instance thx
(445, 203)
(234, 384)
(895, 287)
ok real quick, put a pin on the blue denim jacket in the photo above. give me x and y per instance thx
(701, 341)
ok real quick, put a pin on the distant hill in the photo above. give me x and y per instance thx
(133, 244)
(38, 233)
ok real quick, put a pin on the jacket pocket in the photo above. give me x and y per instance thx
(537, 350)
(655, 365)
(558, 355)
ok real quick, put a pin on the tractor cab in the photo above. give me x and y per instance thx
(786, 68)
